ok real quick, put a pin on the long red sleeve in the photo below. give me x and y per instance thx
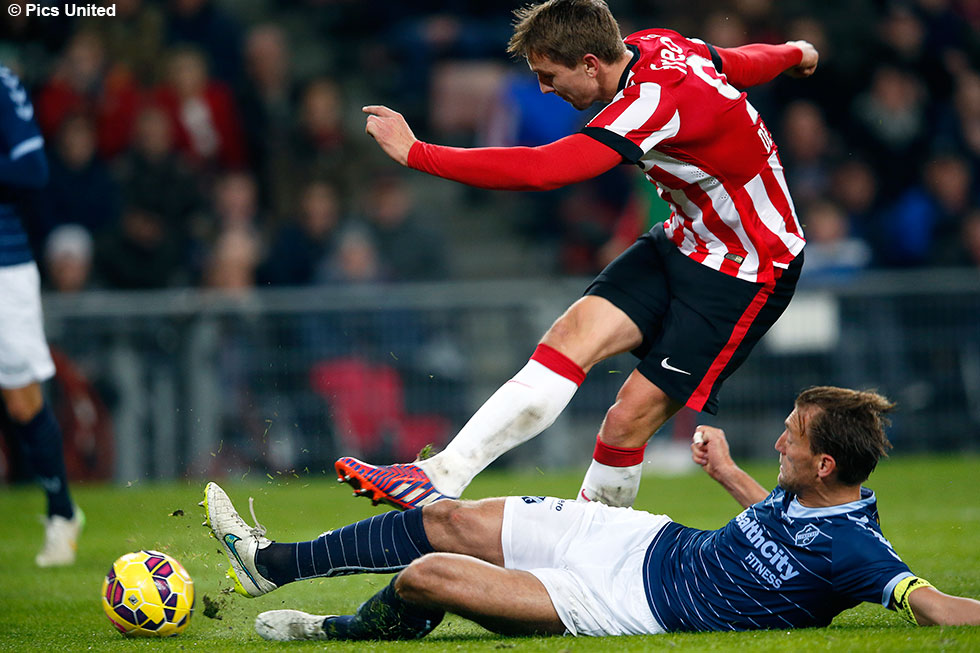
(758, 63)
(568, 160)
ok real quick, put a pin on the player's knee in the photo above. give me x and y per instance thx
(436, 516)
(623, 417)
(420, 581)
(630, 423)
(449, 518)
(22, 407)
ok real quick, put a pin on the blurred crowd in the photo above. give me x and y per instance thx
(220, 144)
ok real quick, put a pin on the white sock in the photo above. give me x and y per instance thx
(523, 407)
(613, 486)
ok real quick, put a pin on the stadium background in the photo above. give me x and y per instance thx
(239, 281)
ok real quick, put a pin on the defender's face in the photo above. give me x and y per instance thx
(574, 85)
(797, 464)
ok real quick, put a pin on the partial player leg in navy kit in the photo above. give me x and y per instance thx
(24, 362)
(691, 327)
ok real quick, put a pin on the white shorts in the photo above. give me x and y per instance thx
(589, 557)
(24, 354)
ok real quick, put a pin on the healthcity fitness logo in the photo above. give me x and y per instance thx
(69, 9)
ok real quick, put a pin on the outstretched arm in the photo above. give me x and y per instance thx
(758, 63)
(569, 160)
(933, 608)
(710, 450)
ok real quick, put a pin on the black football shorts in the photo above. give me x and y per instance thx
(698, 324)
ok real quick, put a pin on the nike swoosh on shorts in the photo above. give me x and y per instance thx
(664, 364)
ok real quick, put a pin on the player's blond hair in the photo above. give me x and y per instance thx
(565, 31)
(850, 427)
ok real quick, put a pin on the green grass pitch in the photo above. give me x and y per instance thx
(930, 510)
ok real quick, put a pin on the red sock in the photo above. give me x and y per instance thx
(617, 456)
(558, 363)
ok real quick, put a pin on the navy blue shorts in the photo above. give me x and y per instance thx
(698, 324)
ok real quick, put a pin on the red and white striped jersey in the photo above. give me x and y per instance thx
(705, 147)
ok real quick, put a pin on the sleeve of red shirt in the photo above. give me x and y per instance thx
(567, 161)
(754, 64)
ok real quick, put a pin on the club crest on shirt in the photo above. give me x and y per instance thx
(530, 500)
(807, 535)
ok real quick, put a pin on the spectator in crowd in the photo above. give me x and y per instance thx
(891, 124)
(68, 258)
(140, 254)
(833, 253)
(152, 165)
(133, 38)
(267, 103)
(356, 259)
(205, 25)
(924, 225)
(202, 110)
(305, 245)
(410, 250)
(902, 41)
(81, 190)
(320, 143)
(84, 81)
(234, 209)
(854, 188)
(807, 151)
(236, 203)
(232, 262)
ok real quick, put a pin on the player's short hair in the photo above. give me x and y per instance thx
(850, 427)
(565, 31)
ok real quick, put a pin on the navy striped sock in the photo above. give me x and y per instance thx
(385, 616)
(380, 545)
(42, 440)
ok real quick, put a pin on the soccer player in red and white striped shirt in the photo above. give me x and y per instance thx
(690, 298)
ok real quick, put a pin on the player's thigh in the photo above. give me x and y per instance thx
(636, 283)
(24, 354)
(468, 527)
(504, 600)
(592, 330)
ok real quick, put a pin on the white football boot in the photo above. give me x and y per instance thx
(290, 625)
(60, 540)
(240, 541)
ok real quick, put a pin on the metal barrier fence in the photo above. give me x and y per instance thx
(281, 382)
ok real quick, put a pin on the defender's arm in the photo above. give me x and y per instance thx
(930, 607)
(710, 450)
